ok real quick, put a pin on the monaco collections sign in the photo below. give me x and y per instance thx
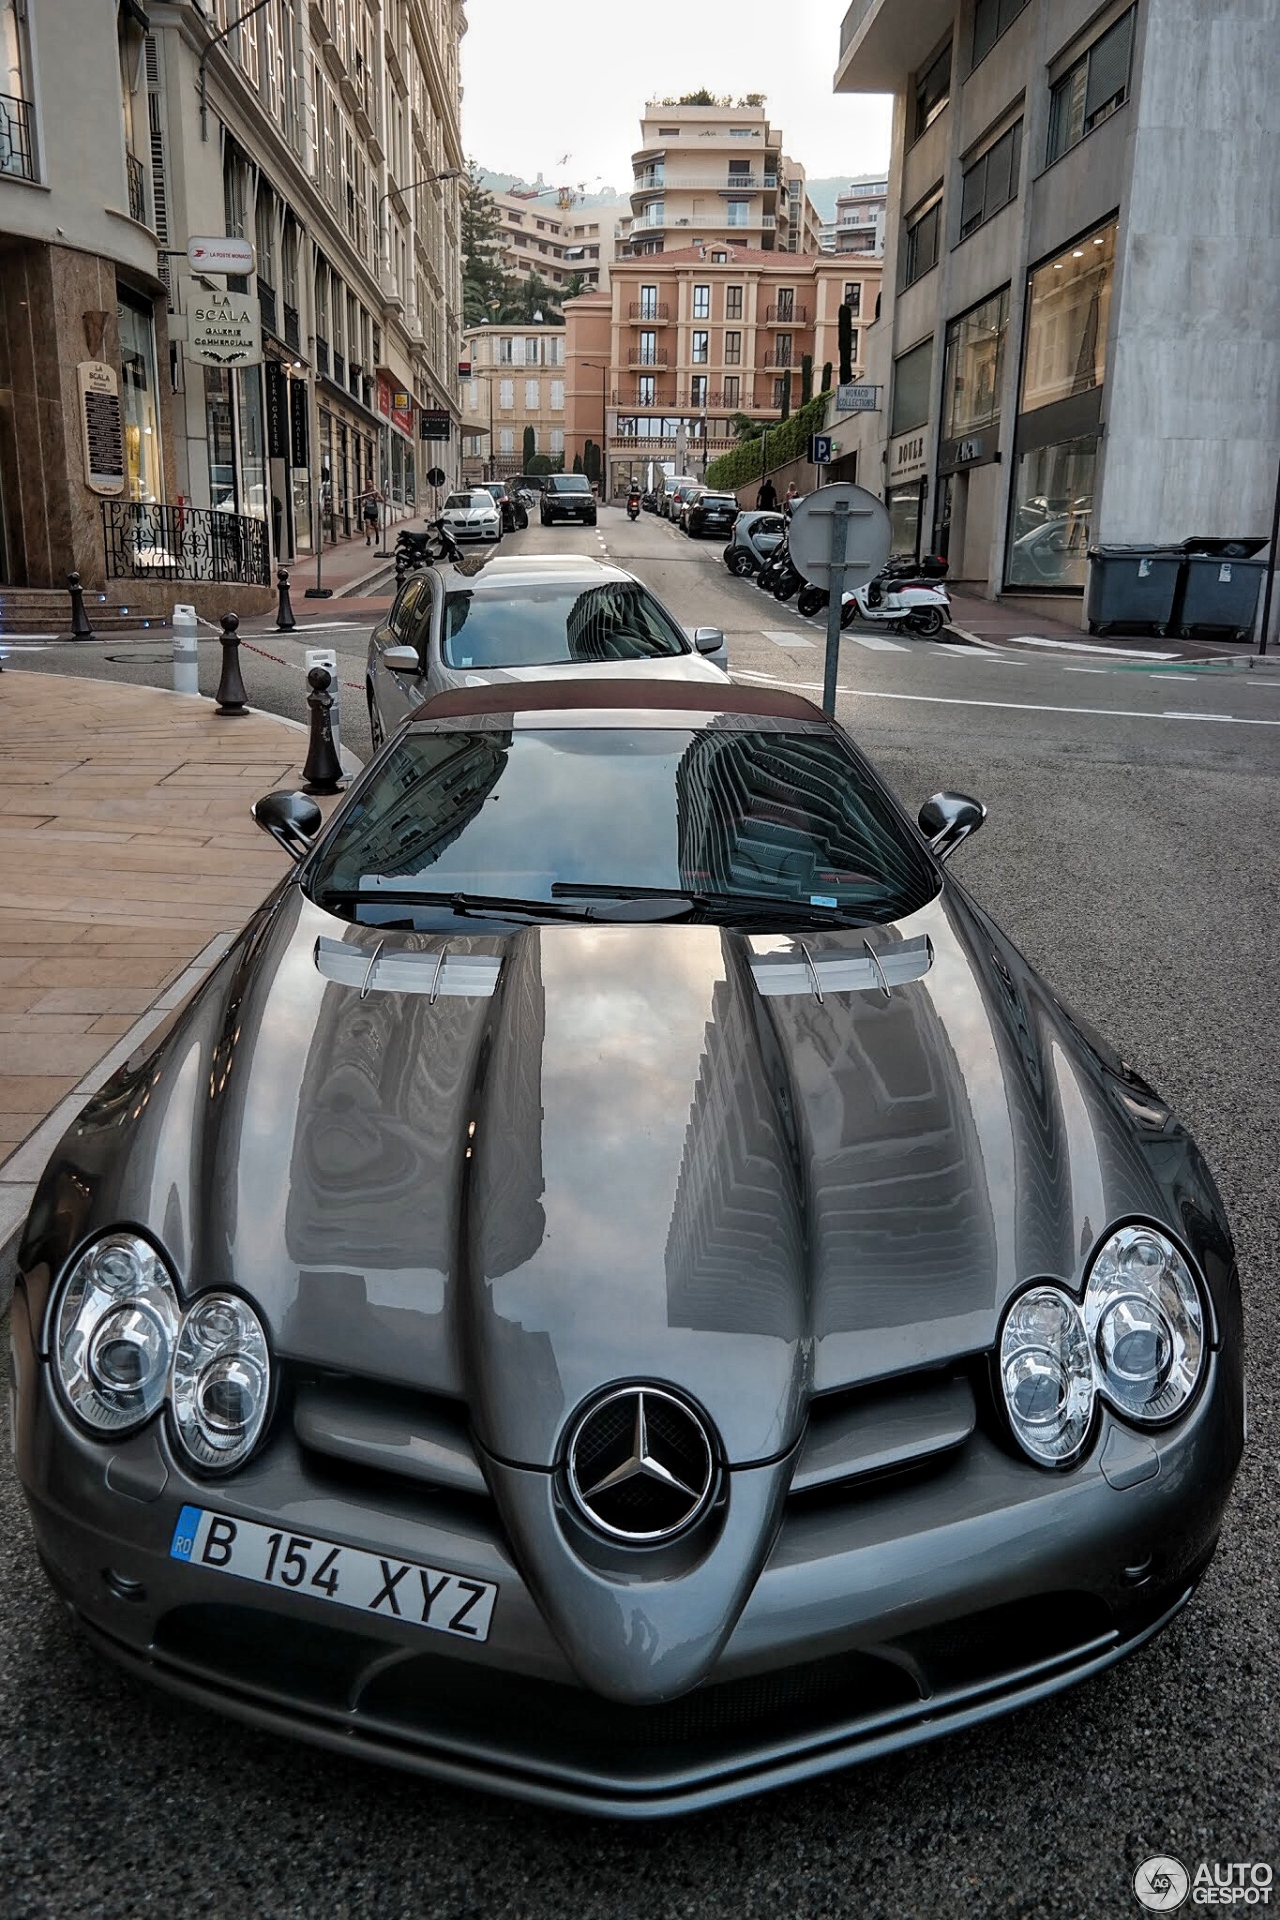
(224, 330)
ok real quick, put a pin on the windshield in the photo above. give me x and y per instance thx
(717, 500)
(466, 501)
(570, 483)
(725, 822)
(532, 626)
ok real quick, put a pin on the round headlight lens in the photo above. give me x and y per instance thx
(1145, 1324)
(221, 1381)
(116, 1331)
(1047, 1376)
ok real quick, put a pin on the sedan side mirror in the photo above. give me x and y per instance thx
(291, 818)
(400, 659)
(708, 639)
(948, 818)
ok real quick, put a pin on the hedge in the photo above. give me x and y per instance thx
(786, 442)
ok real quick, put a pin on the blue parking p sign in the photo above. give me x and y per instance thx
(820, 450)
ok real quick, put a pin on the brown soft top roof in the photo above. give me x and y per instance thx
(574, 694)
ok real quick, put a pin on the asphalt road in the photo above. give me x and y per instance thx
(1131, 854)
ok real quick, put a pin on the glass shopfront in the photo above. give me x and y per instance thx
(1052, 510)
(972, 367)
(139, 390)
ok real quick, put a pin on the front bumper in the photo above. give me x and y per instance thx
(917, 1604)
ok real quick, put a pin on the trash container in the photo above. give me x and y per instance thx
(1132, 587)
(1219, 588)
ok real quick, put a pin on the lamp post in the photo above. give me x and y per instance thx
(394, 193)
(602, 367)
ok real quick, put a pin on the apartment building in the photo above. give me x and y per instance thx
(516, 385)
(1081, 311)
(326, 136)
(717, 174)
(560, 244)
(694, 336)
(860, 216)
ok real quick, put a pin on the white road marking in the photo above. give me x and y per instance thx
(1086, 646)
(878, 643)
(1004, 706)
(1216, 716)
(1087, 670)
(789, 640)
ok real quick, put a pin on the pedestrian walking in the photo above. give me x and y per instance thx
(767, 496)
(370, 510)
(788, 503)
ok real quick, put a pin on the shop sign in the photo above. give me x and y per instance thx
(384, 396)
(907, 456)
(277, 411)
(299, 451)
(101, 430)
(434, 424)
(857, 398)
(220, 253)
(970, 450)
(225, 331)
(400, 401)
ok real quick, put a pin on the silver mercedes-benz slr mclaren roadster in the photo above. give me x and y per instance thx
(623, 1287)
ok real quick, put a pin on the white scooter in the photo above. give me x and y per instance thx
(900, 600)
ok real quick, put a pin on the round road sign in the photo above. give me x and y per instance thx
(867, 536)
(435, 476)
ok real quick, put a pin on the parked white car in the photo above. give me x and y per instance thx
(472, 514)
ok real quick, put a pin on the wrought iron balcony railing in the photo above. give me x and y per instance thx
(15, 137)
(150, 540)
(650, 310)
(786, 315)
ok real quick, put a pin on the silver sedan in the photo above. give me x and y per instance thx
(532, 618)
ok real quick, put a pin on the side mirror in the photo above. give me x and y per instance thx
(708, 639)
(290, 818)
(400, 659)
(948, 818)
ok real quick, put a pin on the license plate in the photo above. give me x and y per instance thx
(324, 1570)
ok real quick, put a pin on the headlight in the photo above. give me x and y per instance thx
(1047, 1375)
(1145, 1324)
(221, 1381)
(117, 1327)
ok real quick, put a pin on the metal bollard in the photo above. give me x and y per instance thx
(323, 770)
(80, 628)
(186, 672)
(327, 657)
(285, 622)
(231, 697)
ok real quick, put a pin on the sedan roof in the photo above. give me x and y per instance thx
(638, 696)
(535, 570)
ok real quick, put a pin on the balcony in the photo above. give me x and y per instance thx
(786, 316)
(654, 312)
(642, 357)
(292, 334)
(267, 305)
(779, 363)
(322, 355)
(137, 178)
(882, 43)
(15, 138)
(680, 182)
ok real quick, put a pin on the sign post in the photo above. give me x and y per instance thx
(840, 533)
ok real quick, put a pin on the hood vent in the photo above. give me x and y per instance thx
(885, 1429)
(842, 970)
(438, 973)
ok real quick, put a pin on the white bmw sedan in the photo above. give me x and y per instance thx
(473, 514)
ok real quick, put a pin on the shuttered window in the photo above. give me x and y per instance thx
(990, 20)
(991, 182)
(1091, 90)
(921, 249)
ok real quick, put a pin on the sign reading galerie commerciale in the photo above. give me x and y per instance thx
(224, 330)
(101, 431)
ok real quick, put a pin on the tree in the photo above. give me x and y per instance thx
(577, 283)
(530, 448)
(525, 301)
(844, 339)
(806, 379)
(539, 463)
(743, 427)
(826, 376)
(786, 396)
(483, 281)
(577, 463)
(591, 462)
(701, 99)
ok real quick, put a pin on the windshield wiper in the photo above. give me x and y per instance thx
(465, 905)
(717, 902)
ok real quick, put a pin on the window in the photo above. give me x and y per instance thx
(1068, 304)
(648, 349)
(733, 349)
(991, 182)
(139, 390)
(698, 390)
(655, 214)
(506, 394)
(473, 396)
(702, 303)
(782, 350)
(701, 349)
(1092, 90)
(506, 353)
(553, 353)
(507, 440)
(532, 390)
(733, 303)
(557, 439)
(1051, 516)
(648, 303)
(646, 390)
(853, 344)
(920, 252)
(972, 367)
(557, 396)
(782, 391)
(531, 352)
(719, 259)
(786, 303)
(933, 90)
(912, 376)
(732, 389)
(990, 19)
(853, 296)
(736, 212)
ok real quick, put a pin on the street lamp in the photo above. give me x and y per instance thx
(602, 367)
(393, 193)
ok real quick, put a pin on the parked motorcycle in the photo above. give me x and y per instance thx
(905, 596)
(414, 550)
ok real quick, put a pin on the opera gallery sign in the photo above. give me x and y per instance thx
(224, 330)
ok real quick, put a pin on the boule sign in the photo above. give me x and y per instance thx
(224, 330)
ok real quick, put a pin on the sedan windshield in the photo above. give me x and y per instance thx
(463, 502)
(531, 626)
(723, 823)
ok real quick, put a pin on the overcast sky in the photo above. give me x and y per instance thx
(545, 82)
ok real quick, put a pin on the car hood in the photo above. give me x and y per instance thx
(611, 1152)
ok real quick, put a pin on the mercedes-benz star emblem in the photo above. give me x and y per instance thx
(641, 1465)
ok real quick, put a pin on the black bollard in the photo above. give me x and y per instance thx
(323, 770)
(231, 697)
(80, 628)
(285, 622)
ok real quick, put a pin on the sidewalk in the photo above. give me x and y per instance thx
(1006, 623)
(128, 861)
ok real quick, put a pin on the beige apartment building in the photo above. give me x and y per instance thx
(516, 382)
(689, 338)
(558, 243)
(325, 134)
(717, 174)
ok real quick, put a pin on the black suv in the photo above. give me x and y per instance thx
(568, 496)
(515, 516)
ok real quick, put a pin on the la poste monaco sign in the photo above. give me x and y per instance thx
(220, 253)
(224, 330)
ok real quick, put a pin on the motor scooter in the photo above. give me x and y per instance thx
(899, 599)
(413, 550)
(633, 506)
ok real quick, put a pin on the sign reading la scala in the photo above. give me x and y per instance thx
(224, 330)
